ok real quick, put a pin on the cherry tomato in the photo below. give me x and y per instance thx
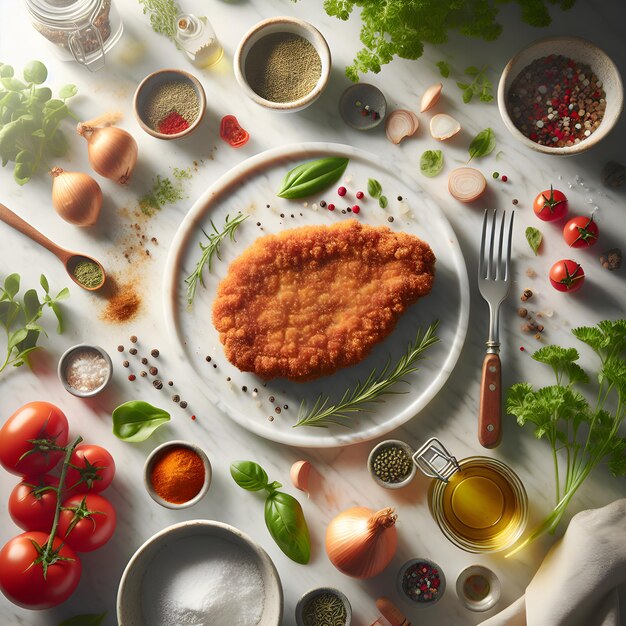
(33, 502)
(551, 205)
(567, 275)
(232, 133)
(91, 469)
(32, 439)
(87, 521)
(581, 232)
(22, 580)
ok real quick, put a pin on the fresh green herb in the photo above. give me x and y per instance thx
(534, 238)
(20, 318)
(324, 412)
(444, 68)
(163, 15)
(210, 250)
(383, 202)
(483, 144)
(325, 608)
(374, 188)
(30, 120)
(431, 163)
(84, 620)
(480, 86)
(311, 177)
(284, 517)
(581, 434)
(163, 192)
(136, 420)
(398, 27)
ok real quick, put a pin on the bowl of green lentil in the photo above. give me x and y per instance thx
(390, 464)
(169, 104)
(283, 64)
(560, 95)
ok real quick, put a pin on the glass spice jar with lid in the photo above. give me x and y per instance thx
(198, 40)
(83, 30)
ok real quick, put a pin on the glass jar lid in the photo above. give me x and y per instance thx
(62, 13)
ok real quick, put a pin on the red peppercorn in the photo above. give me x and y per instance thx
(193, 417)
(504, 179)
(331, 207)
(342, 191)
(131, 377)
(359, 194)
(522, 349)
(356, 208)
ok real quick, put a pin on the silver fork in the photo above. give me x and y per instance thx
(494, 283)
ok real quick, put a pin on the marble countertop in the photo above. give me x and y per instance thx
(451, 415)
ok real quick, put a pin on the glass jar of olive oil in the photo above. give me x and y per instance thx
(479, 503)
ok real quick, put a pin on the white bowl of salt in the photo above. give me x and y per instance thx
(200, 572)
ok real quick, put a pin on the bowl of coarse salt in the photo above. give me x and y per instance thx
(200, 572)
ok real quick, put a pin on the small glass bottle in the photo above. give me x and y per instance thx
(198, 40)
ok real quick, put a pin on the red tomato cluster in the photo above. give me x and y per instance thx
(33, 441)
(579, 232)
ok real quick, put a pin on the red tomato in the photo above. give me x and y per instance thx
(91, 469)
(581, 232)
(567, 275)
(88, 523)
(23, 582)
(550, 206)
(232, 133)
(33, 502)
(32, 439)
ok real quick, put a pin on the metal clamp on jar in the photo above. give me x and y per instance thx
(84, 30)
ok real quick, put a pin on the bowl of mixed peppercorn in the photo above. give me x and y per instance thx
(560, 95)
(390, 464)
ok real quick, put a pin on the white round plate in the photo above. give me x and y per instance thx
(250, 188)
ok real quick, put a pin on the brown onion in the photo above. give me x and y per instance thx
(466, 184)
(400, 124)
(76, 197)
(112, 151)
(361, 542)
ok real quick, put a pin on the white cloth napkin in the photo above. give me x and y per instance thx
(577, 583)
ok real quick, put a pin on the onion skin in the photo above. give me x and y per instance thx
(466, 184)
(401, 123)
(361, 542)
(112, 151)
(76, 197)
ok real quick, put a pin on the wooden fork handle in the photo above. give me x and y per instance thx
(490, 409)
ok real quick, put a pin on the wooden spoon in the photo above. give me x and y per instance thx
(69, 259)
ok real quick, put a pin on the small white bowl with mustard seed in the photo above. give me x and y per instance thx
(169, 104)
(85, 370)
(283, 64)
(390, 464)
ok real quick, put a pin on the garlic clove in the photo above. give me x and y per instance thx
(400, 124)
(300, 473)
(443, 126)
(431, 97)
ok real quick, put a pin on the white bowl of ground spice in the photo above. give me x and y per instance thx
(169, 104)
(283, 63)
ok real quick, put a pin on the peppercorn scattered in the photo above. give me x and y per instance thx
(322, 203)
(157, 384)
(120, 348)
(183, 404)
(342, 191)
(131, 377)
(390, 218)
(153, 371)
(133, 339)
(133, 351)
(359, 195)
(522, 312)
(399, 198)
(155, 353)
(285, 406)
(421, 582)
(611, 259)
(392, 464)
(526, 295)
(125, 363)
(271, 398)
(143, 374)
(277, 410)
(170, 383)
(331, 207)
(495, 175)
(356, 208)
(144, 361)
(176, 398)
(515, 201)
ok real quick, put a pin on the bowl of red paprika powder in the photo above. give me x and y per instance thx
(177, 474)
(169, 104)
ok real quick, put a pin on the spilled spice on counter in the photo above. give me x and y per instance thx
(123, 302)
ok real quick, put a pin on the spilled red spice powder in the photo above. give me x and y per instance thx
(173, 123)
(123, 301)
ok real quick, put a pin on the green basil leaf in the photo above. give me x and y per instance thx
(284, 519)
(249, 475)
(35, 72)
(472, 71)
(534, 238)
(468, 94)
(92, 619)
(12, 284)
(311, 177)
(431, 163)
(136, 420)
(383, 202)
(483, 144)
(67, 91)
(374, 188)
(444, 68)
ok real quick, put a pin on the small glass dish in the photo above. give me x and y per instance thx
(157, 454)
(380, 448)
(91, 360)
(415, 569)
(362, 106)
(314, 593)
(478, 588)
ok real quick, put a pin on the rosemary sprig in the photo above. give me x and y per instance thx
(377, 384)
(210, 250)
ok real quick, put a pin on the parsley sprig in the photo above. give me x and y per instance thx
(210, 250)
(324, 413)
(582, 434)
